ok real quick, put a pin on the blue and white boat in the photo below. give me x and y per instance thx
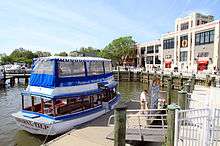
(64, 92)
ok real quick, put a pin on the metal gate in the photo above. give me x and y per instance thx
(197, 127)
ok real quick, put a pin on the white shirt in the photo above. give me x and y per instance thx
(143, 96)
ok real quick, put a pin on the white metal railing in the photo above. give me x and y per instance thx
(197, 127)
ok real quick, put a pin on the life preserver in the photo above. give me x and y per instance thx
(184, 43)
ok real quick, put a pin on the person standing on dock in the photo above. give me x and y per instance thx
(154, 93)
(143, 100)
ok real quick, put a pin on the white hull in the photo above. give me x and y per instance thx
(45, 126)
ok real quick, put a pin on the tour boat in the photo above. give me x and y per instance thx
(64, 92)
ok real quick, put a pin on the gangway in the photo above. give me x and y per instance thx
(144, 125)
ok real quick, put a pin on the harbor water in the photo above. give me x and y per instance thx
(10, 102)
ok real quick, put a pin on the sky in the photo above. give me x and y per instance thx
(67, 25)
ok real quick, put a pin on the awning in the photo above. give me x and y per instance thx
(168, 61)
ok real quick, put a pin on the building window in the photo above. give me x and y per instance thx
(142, 50)
(157, 48)
(157, 60)
(183, 56)
(184, 26)
(206, 37)
(168, 44)
(184, 41)
(149, 59)
(150, 49)
(211, 36)
(203, 54)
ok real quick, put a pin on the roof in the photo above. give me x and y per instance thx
(72, 58)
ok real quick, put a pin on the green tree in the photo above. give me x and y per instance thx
(89, 51)
(119, 50)
(19, 55)
(61, 54)
(42, 54)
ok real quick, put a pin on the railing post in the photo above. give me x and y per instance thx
(120, 125)
(171, 124)
(182, 99)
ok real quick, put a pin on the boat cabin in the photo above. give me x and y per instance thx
(66, 85)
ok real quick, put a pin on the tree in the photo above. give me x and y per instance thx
(119, 50)
(90, 51)
(61, 54)
(19, 55)
(42, 54)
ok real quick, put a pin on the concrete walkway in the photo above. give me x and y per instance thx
(88, 136)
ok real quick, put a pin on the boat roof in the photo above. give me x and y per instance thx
(68, 58)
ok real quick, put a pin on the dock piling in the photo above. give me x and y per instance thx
(182, 99)
(171, 124)
(120, 125)
(213, 82)
(168, 89)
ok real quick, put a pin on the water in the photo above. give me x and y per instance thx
(10, 102)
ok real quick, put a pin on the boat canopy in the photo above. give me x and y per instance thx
(49, 73)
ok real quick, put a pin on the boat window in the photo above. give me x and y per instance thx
(73, 69)
(108, 67)
(95, 68)
(43, 67)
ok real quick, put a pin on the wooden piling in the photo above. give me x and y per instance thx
(4, 78)
(162, 79)
(118, 74)
(129, 74)
(213, 82)
(182, 99)
(181, 81)
(120, 125)
(171, 80)
(148, 78)
(12, 81)
(193, 82)
(207, 80)
(168, 89)
(171, 124)
(187, 87)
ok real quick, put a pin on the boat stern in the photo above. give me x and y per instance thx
(34, 123)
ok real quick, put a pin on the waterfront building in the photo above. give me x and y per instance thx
(193, 46)
(149, 54)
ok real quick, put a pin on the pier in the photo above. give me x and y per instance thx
(12, 78)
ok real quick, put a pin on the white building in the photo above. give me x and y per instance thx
(149, 54)
(193, 46)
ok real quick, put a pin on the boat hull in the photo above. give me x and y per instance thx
(44, 125)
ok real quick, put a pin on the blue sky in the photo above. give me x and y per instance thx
(65, 25)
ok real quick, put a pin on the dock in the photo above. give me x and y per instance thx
(91, 136)
(100, 133)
